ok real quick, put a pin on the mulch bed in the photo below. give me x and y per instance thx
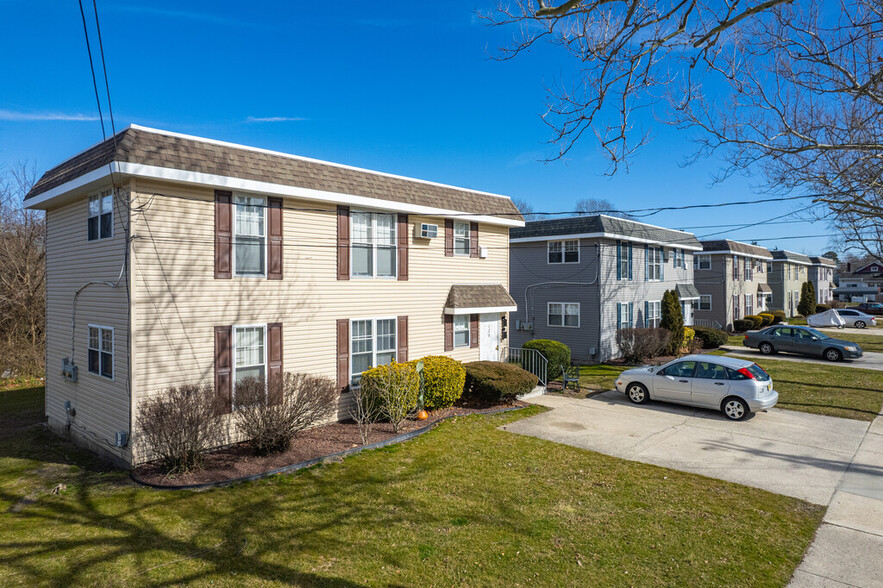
(237, 461)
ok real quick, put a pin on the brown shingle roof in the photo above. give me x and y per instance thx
(478, 296)
(735, 247)
(148, 147)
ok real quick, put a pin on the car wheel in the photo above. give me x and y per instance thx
(859, 324)
(766, 348)
(637, 393)
(833, 354)
(734, 408)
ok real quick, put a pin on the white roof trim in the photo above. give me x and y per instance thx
(728, 252)
(480, 309)
(603, 236)
(176, 175)
(301, 158)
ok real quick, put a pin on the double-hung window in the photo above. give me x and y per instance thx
(749, 304)
(249, 240)
(749, 270)
(101, 351)
(769, 267)
(702, 262)
(563, 314)
(374, 245)
(461, 330)
(704, 302)
(623, 260)
(625, 315)
(677, 256)
(652, 313)
(654, 263)
(564, 251)
(248, 350)
(736, 314)
(100, 223)
(735, 268)
(462, 239)
(372, 343)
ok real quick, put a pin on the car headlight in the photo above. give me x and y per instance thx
(849, 347)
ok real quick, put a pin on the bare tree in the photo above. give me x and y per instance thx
(792, 89)
(586, 206)
(526, 209)
(22, 275)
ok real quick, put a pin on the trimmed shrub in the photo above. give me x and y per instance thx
(443, 381)
(557, 353)
(807, 304)
(822, 308)
(742, 325)
(767, 318)
(756, 320)
(672, 320)
(493, 381)
(778, 316)
(689, 337)
(271, 415)
(394, 388)
(710, 338)
(639, 345)
(180, 425)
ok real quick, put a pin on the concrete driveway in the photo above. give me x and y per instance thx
(787, 452)
(868, 361)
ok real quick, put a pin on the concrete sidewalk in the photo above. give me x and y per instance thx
(848, 546)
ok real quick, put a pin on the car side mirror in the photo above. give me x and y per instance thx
(814, 338)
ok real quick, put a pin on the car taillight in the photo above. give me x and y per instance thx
(746, 372)
(746, 336)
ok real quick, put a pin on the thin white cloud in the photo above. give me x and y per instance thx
(13, 115)
(266, 119)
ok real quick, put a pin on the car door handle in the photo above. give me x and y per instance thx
(718, 383)
(683, 381)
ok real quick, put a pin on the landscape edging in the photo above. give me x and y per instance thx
(311, 462)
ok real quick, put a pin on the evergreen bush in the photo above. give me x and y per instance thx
(672, 320)
(493, 381)
(443, 381)
(710, 338)
(807, 304)
(557, 353)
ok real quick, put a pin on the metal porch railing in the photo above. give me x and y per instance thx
(528, 359)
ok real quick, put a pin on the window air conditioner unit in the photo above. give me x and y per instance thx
(426, 231)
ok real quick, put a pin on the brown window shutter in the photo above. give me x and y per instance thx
(343, 242)
(403, 247)
(473, 330)
(274, 362)
(224, 367)
(473, 239)
(449, 332)
(402, 339)
(274, 238)
(223, 234)
(343, 354)
(449, 237)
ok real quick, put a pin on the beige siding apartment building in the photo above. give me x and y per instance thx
(731, 278)
(173, 259)
(821, 274)
(788, 272)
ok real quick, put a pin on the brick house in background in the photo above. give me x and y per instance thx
(173, 259)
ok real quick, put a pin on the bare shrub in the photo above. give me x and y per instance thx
(638, 345)
(271, 415)
(395, 388)
(180, 425)
(365, 412)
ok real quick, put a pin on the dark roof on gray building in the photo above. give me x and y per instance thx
(782, 255)
(168, 150)
(735, 247)
(478, 296)
(816, 260)
(599, 223)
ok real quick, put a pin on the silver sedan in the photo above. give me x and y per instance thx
(734, 386)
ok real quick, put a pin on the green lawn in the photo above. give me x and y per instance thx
(465, 504)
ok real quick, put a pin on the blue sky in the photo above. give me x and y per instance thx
(401, 87)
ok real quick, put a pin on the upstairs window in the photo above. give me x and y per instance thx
(702, 262)
(249, 238)
(101, 351)
(678, 258)
(749, 270)
(462, 242)
(654, 263)
(769, 267)
(100, 223)
(374, 245)
(735, 268)
(564, 251)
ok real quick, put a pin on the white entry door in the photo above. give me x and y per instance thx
(687, 312)
(489, 337)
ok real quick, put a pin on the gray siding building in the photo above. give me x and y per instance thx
(731, 278)
(789, 271)
(577, 280)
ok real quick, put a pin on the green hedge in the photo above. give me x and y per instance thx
(710, 338)
(742, 325)
(492, 381)
(778, 316)
(443, 381)
(756, 320)
(767, 318)
(557, 353)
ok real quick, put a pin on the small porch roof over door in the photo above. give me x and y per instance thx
(478, 298)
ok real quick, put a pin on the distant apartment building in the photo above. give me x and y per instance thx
(731, 279)
(787, 273)
(865, 284)
(579, 280)
(821, 274)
